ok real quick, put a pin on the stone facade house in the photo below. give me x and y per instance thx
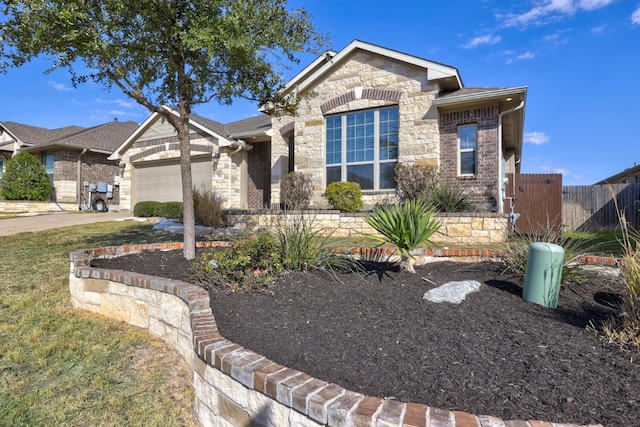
(76, 158)
(358, 113)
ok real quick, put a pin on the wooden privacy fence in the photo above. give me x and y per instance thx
(593, 207)
(537, 198)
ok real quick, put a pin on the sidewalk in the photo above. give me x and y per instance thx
(55, 220)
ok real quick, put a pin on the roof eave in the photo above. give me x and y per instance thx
(435, 72)
(481, 96)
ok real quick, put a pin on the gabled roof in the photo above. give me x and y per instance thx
(33, 135)
(102, 138)
(615, 178)
(446, 76)
(227, 134)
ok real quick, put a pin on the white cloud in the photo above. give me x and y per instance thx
(487, 39)
(552, 10)
(598, 30)
(549, 169)
(526, 55)
(635, 17)
(124, 103)
(536, 138)
(59, 86)
(594, 4)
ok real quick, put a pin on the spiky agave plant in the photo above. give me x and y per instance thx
(406, 226)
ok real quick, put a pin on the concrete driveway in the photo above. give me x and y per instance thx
(55, 220)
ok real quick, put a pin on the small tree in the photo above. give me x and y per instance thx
(165, 52)
(25, 178)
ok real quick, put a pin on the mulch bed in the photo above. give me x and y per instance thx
(493, 354)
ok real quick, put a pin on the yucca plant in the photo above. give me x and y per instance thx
(406, 226)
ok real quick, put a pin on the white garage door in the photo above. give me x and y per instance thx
(161, 182)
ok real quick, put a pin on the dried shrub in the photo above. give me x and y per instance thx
(297, 188)
(208, 210)
(415, 181)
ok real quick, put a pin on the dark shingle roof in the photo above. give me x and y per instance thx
(33, 135)
(261, 122)
(106, 137)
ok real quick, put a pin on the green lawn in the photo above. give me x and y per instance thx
(59, 366)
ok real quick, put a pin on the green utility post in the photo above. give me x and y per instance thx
(543, 275)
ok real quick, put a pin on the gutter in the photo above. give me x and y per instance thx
(449, 100)
(501, 180)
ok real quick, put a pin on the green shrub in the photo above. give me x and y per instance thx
(297, 188)
(169, 210)
(250, 264)
(208, 210)
(405, 225)
(344, 196)
(145, 209)
(25, 178)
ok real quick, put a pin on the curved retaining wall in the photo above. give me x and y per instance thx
(233, 385)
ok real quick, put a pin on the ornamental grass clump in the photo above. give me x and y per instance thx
(406, 226)
(303, 246)
(516, 253)
(625, 328)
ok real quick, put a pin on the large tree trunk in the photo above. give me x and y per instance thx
(188, 215)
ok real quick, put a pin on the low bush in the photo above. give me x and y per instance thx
(208, 209)
(249, 265)
(25, 178)
(297, 188)
(145, 209)
(169, 210)
(344, 196)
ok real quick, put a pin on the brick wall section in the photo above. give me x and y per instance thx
(233, 385)
(94, 168)
(259, 171)
(481, 188)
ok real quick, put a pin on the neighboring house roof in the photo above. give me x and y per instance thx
(102, 138)
(613, 179)
(446, 76)
(228, 135)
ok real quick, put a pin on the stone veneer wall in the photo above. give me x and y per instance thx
(22, 206)
(362, 81)
(233, 385)
(470, 228)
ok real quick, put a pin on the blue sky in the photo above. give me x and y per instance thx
(580, 60)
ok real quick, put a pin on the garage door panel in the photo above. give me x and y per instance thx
(161, 182)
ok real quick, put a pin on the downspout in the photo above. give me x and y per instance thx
(230, 161)
(79, 186)
(501, 189)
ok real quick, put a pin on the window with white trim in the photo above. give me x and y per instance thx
(362, 147)
(467, 150)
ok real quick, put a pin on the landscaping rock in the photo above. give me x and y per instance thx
(453, 292)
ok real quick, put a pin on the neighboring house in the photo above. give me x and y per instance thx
(627, 176)
(75, 158)
(359, 112)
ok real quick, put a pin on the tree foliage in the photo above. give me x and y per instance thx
(25, 178)
(164, 52)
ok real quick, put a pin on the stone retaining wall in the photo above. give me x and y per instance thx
(468, 228)
(10, 206)
(233, 385)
